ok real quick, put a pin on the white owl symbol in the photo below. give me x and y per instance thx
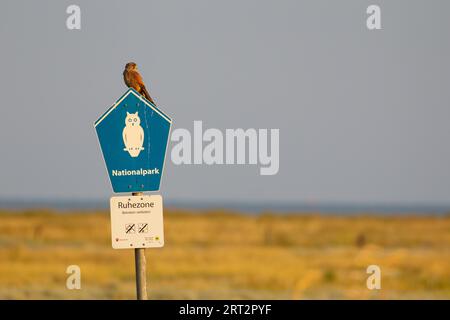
(133, 134)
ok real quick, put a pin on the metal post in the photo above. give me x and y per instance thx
(140, 265)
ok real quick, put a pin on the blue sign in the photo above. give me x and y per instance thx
(133, 136)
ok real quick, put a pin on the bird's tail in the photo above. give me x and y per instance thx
(147, 95)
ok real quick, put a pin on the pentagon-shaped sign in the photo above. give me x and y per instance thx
(133, 136)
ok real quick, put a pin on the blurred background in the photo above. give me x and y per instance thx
(363, 119)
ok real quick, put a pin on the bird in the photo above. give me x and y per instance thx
(133, 79)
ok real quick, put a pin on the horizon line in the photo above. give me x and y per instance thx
(17, 203)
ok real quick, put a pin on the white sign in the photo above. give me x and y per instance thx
(137, 222)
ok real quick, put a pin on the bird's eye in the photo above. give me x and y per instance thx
(129, 120)
(135, 120)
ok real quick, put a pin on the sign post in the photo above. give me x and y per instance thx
(140, 265)
(133, 136)
(141, 280)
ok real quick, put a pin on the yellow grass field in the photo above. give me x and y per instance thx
(223, 255)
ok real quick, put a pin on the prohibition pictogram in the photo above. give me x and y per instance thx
(143, 227)
(130, 228)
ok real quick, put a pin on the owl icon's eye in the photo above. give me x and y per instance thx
(129, 120)
(135, 120)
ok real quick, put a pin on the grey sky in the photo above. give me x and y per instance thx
(363, 115)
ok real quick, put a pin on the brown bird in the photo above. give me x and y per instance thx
(133, 79)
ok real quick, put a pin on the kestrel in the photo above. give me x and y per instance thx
(133, 79)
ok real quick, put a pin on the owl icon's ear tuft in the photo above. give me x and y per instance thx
(128, 113)
(136, 113)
